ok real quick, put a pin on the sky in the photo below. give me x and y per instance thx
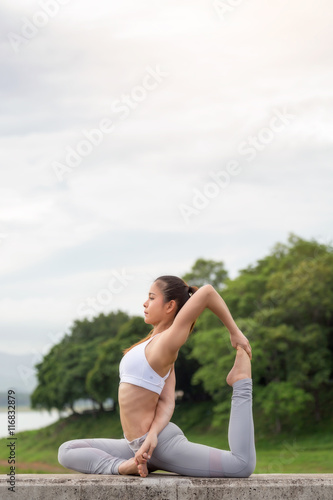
(138, 136)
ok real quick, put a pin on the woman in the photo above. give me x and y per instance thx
(147, 397)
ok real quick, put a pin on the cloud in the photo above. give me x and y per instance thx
(120, 205)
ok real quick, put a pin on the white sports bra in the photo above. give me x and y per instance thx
(135, 369)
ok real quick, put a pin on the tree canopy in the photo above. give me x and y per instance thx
(283, 304)
(207, 271)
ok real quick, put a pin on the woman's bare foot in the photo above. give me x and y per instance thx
(143, 470)
(130, 467)
(142, 466)
(241, 368)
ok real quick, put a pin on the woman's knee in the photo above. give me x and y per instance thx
(249, 468)
(63, 452)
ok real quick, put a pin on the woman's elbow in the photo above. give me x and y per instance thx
(208, 290)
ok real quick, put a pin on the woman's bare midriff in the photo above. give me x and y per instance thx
(137, 409)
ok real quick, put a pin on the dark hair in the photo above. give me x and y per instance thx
(172, 288)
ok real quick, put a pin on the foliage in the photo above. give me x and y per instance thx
(283, 304)
(185, 368)
(207, 271)
(283, 402)
(63, 371)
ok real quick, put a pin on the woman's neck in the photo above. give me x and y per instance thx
(161, 327)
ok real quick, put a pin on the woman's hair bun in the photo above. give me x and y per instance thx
(192, 289)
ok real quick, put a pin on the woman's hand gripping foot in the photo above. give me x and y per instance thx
(141, 462)
(145, 452)
(131, 467)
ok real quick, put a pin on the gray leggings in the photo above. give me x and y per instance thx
(174, 453)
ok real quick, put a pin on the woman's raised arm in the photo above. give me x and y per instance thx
(205, 298)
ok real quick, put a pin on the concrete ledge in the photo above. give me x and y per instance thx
(167, 487)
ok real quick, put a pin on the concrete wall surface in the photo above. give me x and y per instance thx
(167, 487)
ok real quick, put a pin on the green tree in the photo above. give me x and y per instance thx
(207, 271)
(284, 305)
(63, 371)
(283, 402)
(185, 368)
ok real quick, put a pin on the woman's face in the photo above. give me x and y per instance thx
(154, 307)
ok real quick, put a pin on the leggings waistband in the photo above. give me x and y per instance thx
(135, 445)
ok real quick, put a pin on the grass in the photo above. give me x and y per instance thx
(297, 452)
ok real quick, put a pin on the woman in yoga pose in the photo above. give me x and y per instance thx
(147, 397)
